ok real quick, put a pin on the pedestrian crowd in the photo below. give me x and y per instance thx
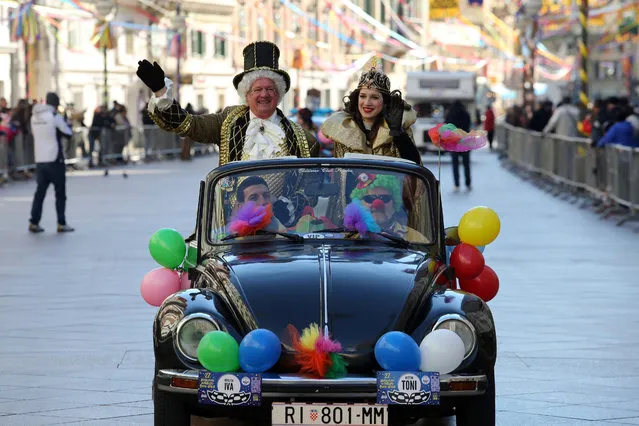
(610, 121)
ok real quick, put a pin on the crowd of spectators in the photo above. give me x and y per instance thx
(610, 121)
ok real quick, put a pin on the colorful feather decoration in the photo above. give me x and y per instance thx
(450, 138)
(250, 218)
(359, 218)
(317, 354)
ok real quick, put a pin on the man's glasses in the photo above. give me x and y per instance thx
(260, 90)
(368, 199)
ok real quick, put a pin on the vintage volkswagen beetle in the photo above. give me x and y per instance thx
(357, 288)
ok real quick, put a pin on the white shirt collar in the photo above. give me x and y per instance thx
(274, 118)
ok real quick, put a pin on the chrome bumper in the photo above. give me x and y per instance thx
(292, 385)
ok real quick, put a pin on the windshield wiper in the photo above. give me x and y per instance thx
(398, 240)
(293, 237)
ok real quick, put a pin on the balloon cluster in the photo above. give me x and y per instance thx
(167, 248)
(451, 138)
(219, 352)
(465, 243)
(441, 350)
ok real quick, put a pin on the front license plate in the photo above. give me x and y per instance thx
(329, 414)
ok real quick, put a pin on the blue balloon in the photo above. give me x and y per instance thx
(259, 351)
(480, 248)
(397, 351)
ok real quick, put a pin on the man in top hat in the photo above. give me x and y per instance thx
(255, 130)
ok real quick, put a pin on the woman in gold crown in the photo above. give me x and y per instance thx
(374, 121)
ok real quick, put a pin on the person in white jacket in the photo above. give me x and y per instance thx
(564, 120)
(48, 127)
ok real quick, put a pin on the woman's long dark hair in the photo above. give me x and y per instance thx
(351, 107)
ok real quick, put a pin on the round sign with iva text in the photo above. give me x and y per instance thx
(228, 384)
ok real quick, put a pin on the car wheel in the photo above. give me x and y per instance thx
(479, 410)
(169, 410)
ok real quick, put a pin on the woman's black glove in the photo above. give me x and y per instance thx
(151, 75)
(394, 113)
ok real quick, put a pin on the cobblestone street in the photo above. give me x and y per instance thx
(76, 342)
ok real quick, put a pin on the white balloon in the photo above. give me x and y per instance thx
(441, 350)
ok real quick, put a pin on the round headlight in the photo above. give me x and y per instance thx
(190, 331)
(462, 327)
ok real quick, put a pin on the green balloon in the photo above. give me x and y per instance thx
(219, 352)
(167, 248)
(191, 258)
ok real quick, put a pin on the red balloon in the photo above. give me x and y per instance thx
(467, 261)
(485, 285)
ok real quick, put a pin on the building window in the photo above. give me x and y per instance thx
(159, 42)
(260, 28)
(73, 34)
(198, 43)
(200, 101)
(78, 100)
(368, 7)
(277, 19)
(242, 23)
(130, 41)
(220, 46)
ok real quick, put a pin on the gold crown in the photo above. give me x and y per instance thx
(374, 78)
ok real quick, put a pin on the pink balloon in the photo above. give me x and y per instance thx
(185, 282)
(322, 138)
(159, 284)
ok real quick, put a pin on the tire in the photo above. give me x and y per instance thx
(169, 410)
(479, 410)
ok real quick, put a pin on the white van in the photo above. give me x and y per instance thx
(431, 93)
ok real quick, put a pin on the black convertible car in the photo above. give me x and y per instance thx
(307, 266)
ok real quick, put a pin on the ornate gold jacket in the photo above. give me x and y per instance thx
(348, 137)
(227, 129)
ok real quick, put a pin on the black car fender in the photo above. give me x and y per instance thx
(174, 309)
(446, 301)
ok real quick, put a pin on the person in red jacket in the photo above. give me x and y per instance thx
(489, 125)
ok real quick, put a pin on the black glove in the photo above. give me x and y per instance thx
(151, 75)
(393, 113)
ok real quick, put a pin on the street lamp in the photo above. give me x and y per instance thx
(529, 23)
(179, 25)
(104, 9)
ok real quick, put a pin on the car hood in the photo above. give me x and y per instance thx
(358, 292)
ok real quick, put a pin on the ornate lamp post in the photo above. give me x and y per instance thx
(179, 25)
(530, 25)
(104, 8)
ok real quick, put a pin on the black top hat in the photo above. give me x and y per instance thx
(261, 55)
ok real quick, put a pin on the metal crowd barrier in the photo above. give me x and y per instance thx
(4, 158)
(122, 144)
(571, 166)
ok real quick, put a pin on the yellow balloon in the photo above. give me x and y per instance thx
(479, 226)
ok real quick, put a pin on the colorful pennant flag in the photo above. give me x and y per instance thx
(103, 36)
(24, 25)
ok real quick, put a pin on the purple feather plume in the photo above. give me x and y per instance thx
(358, 218)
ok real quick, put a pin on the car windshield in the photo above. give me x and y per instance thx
(321, 203)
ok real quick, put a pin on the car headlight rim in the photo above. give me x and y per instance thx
(465, 322)
(181, 327)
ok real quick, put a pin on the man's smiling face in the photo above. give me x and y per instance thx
(263, 98)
